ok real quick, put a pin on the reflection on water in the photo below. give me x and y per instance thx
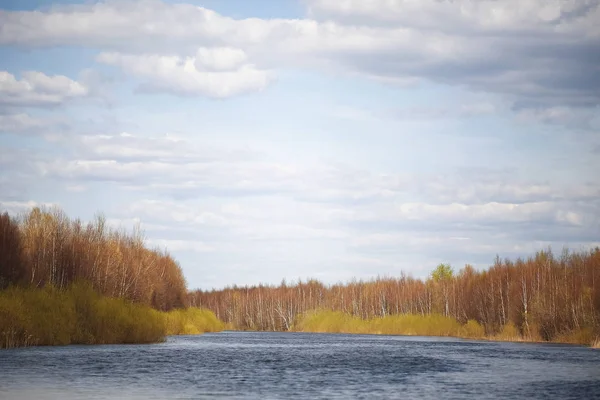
(301, 365)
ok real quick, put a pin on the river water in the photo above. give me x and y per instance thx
(302, 365)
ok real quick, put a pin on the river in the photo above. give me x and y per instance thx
(302, 365)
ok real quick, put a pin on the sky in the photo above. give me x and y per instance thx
(332, 139)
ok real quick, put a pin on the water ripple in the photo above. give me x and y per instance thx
(277, 365)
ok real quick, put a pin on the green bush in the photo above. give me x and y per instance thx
(36, 317)
(510, 333)
(403, 324)
(326, 321)
(79, 315)
(473, 330)
(192, 321)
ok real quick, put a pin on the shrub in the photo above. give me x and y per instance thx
(472, 329)
(192, 321)
(36, 317)
(510, 333)
(404, 324)
(79, 315)
(578, 336)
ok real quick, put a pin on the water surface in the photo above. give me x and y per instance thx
(302, 365)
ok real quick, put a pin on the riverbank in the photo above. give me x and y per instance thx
(429, 325)
(79, 315)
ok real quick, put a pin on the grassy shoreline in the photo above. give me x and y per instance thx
(428, 325)
(79, 315)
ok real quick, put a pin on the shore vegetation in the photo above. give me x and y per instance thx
(65, 282)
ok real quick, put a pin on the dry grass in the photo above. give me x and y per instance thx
(584, 336)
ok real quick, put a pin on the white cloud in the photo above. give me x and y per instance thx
(51, 129)
(180, 245)
(19, 123)
(219, 59)
(135, 147)
(284, 232)
(485, 185)
(38, 89)
(487, 213)
(112, 24)
(331, 221)
(217, 73)
(309, 203)
(269, 212)
(408, 216)
(587, 119)
(431, 112)
(173, 212)
(477, 109)
(464, 15)
(75, 188)
(184, 168)
(536, 52)
(15, 208)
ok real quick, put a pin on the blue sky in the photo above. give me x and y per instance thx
(262, 140)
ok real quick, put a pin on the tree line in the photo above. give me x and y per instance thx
(542, 297)
(44, 247)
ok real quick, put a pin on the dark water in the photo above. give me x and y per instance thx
(299, 365)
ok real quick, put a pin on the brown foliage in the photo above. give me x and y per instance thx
(11, 263)
(45, 247)
(542, 297)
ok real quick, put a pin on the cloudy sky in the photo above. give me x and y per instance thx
(261, 140)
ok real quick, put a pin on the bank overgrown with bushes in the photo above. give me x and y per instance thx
(326, 321)
(79, 315)
(62, 281)
(65, 282)
(540, 298)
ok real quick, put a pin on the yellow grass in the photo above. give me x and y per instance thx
(192, 321)
(79, 315)
(579, 336)
(509, 333)
(326, 321)
(404, 324)
(472, 330)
